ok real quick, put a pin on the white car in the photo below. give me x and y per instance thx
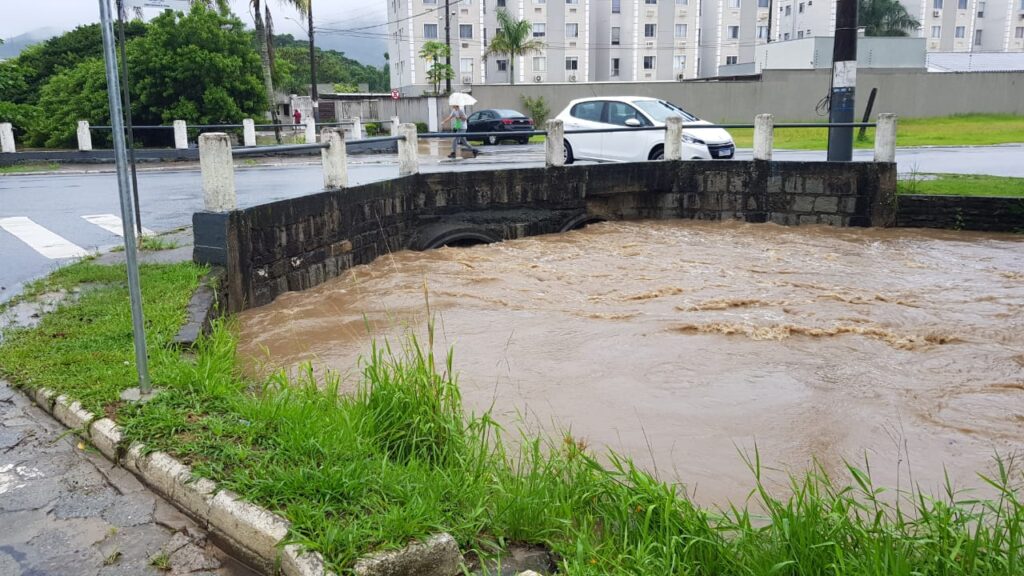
(636, 112)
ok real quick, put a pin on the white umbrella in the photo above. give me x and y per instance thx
(461, 99)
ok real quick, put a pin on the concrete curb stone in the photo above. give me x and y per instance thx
(106, 436)
(438, 555)
(258, 529)
(297, 562)
(44, 398)
(71, 414)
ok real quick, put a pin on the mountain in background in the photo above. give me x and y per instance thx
(362, 50)
(14, 45)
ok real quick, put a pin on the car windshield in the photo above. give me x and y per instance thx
(659, 110)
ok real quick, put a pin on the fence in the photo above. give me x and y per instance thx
(216, 153)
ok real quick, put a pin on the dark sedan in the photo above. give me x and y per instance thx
(499, 121)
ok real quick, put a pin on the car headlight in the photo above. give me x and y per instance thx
(691, 140)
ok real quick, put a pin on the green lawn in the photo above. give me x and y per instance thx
(965, 130)
(399, 459)
(19, 168)
(962, 185)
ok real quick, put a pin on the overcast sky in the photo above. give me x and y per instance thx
(18, 16)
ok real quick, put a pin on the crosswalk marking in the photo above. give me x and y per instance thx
(112, 223)
(40, 239)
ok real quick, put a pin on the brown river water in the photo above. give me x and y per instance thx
(682, 343)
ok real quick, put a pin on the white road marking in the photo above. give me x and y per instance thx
(112, 223)
(40, 239)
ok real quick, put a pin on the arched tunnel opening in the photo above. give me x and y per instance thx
(580, 221)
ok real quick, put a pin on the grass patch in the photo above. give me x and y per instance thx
(959, 130)
(151, 244)
(19, 168)
(962, 185)
(399, 459)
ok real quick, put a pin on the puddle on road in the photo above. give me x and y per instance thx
(683, 343)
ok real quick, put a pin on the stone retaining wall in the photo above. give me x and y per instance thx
(990, 214)
(299, 243)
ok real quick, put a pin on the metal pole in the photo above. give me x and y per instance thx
(128, 116)
(124, 187)
(844, 81)
(862, 133)
(448, 43)
(312, 65)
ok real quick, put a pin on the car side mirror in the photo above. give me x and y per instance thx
(632, 123)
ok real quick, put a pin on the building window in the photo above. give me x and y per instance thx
(679, 63)
(572, 30)
(763, 3)
(937, 4)
(730, 60)
(465, 31)
(540, 1)
(682, 2)
(959, 31)
(540, 64)
(799, 33)
(734, 32)
(650, 1)
(1021, 5)
(785, 36)
(1019, 32)
(430, 30)
(466, 68)
(936, 31)
(981, 9)
(502, 65)
(650, 30)
(789, 10)
(614, 68)
(539, 29)
(762, 32)
(648, 62)
(962, 5)
(616, 6)
(977, 37)
(572, 1)
(801, 8)
(616, 35)
(734, 3)
(680, 30)
(572, 64)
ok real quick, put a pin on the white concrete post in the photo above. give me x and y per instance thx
(180, 135)
(394, 125)
(764, 136)
(84, 136)
(310, 131)
(674, 138)
(357, 128)
(408, 150)
(432, 118)
(6, 137)
(218, 170)
(333, 159)
(554, 144)
(248, 132)
(885, 138)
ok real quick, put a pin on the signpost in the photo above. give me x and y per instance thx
(394, 97)
(124, 187)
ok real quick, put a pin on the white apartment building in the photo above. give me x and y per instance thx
(637, 40)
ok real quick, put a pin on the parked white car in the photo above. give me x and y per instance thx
(630, 111)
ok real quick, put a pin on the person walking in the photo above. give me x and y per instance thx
(458, 124)
(297, 116)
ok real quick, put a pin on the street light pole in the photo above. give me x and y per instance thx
(448, 43)
(124, 187)
(312, 64)
(128, 116)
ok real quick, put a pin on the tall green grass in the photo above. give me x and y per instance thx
(400, 459)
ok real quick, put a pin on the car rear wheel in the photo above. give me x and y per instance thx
(658, 153)
(523, 141)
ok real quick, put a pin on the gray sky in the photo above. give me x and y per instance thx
(18, 16)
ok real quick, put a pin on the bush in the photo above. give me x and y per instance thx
(422, 127)
(537, 108)
(372, 129)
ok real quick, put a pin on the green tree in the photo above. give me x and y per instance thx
(885, 18)
(78, 93)
(514, 38)
(434, 52)
(198, 67)
(332, 67)
(264, 41)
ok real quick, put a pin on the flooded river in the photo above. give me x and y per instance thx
(681, 343)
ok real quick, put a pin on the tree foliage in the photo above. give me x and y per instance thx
(885, 18)
(73, 94)
(514, 38)
(333, 67)
(434, 52)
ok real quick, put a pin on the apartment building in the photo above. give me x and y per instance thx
(638, 40)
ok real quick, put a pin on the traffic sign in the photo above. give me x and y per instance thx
(166, 4)
(394, 93)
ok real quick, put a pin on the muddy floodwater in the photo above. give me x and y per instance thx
(682, 343)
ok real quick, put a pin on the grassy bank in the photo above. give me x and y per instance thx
(400, 459)
(962, 185)
(21, 168)
(960, 130)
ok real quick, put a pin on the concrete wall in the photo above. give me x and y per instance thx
(961, 213)
(298, 243)
(792, 94)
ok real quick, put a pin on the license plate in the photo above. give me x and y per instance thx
(725, 152)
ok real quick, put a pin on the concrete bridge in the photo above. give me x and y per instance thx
(299, 243)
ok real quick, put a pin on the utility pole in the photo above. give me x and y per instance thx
(122, 15)
(448, 43)
(312, 64)
(844, 82)
(771, 13)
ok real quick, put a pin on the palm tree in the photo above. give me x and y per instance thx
(885, 18)
(514, 38)
(263, 41)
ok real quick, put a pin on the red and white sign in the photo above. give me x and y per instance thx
(394, 93)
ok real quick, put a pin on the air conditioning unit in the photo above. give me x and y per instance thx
(650, 44)
(465, 44)
(572, 10)
(936, 13)
(680, 76)
(467, 79)
(537, 78)
(572, 78)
